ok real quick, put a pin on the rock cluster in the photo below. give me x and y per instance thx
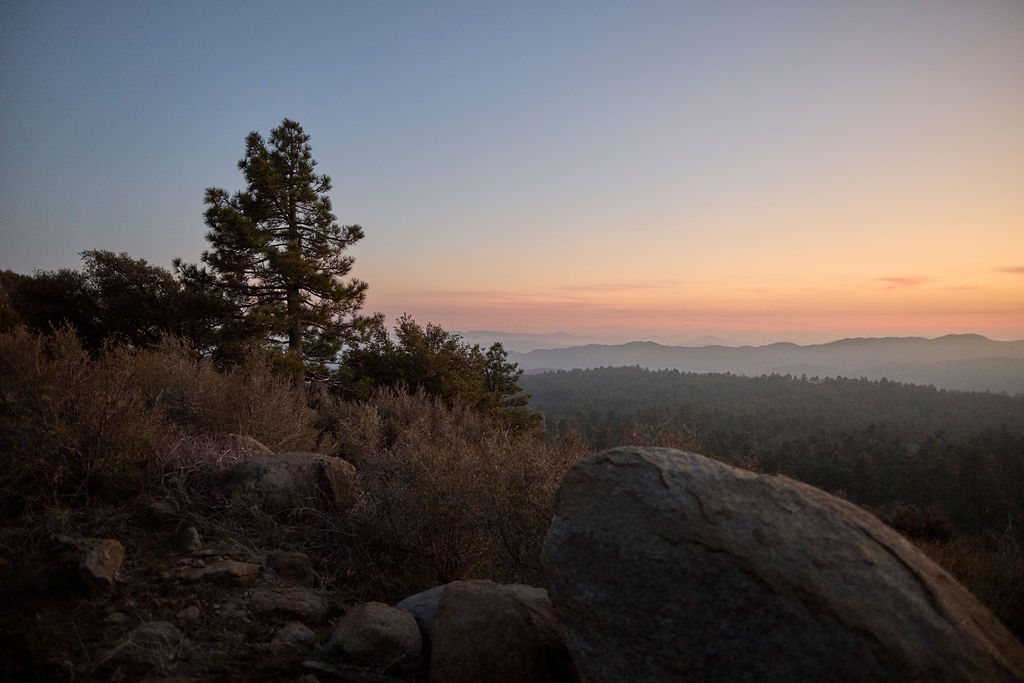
(661, 566)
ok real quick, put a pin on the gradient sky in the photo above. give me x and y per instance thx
(757, 171)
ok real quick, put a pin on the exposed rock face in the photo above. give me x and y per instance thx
(665, 566)
(379, 638)
(282, 482)
(484, 631)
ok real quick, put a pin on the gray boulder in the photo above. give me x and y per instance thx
(378, 638)
(665, 566)
(484, 631)
(423, 607)
(286, 481)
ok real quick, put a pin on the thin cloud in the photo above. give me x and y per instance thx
(904, 282)
(621, 287)
(1016, 270)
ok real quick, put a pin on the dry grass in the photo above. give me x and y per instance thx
(247, 399)
(70, 426)
(449, 494)
(992, 568)
(75, 426)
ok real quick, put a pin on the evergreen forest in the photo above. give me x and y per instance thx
(955, 459)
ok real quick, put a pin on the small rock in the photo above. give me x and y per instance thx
(187, 540)
(293, 637)
(188, 614)
(228, 572)
(377, 637)
(290, 600)
(233, 610)
(154, 643)
(98, 559)
(291, 567)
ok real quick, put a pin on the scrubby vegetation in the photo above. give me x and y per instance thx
(450, 492)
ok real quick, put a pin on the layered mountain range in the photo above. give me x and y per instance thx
(963, 361)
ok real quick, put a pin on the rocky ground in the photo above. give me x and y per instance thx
(662, 566)
(182, 605)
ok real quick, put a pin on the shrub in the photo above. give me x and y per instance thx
(73, 425)
(449, 494)
(991, 568)
(917, 524)
(247, 398)
(70, 426)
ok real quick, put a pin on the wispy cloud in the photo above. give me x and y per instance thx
(1016, 270)
(904, 282)
(622, 287)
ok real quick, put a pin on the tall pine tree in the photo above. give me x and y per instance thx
(278, 251)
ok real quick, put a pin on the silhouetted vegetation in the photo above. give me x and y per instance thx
(278, 254)
(442, 365)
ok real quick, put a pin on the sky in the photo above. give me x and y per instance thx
(755, 171)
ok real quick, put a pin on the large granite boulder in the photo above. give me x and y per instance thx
(286, 481)
(666, 566)
(484, 631)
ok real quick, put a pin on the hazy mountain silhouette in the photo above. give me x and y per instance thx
(957, 361)
(524, 342)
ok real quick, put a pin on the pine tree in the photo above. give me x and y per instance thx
(278, 251)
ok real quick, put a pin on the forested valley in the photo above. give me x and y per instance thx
(951, 460)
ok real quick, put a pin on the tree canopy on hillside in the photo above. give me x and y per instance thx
(443, 365)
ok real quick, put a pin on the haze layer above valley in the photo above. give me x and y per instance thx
(962, 362)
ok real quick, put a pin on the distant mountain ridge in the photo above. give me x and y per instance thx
(968, 362)
(523, 342)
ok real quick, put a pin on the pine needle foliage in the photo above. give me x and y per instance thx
(279, 252)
